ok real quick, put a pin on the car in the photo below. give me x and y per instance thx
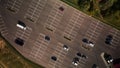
(84, 56)
(75, 61)
(61, 8)
(107, 58)
(47, 38)
(79, 54)
(94, 66)
(108, 39)
(85, 40)
(65, 47)
(21, 25)
(91, 44)
(54, 58)
(19, 41)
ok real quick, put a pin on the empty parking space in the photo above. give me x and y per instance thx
(34, 10)
(23, 34)
(40, 47)
(93, 33)
(94, 30)
(73, 26)
(116, 37)
(14, 5)
(60, 53)
(55, 16)
(3, 28)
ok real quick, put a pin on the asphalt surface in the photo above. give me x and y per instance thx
(66, 27)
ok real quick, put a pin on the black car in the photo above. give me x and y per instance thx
(47, 38)
(108, 58)
(85, 40)
(61, 8)
(54, 58)
(108, 39)
(94, 66)
(79, 54)
(19, 41)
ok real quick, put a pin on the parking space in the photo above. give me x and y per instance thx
(34, 10)
(39, 48)
(3, 28)
(73, 26)
(55, 16)
(14, 5)
(93, 33)
(116, 37)
(60, 53)
(23, 34)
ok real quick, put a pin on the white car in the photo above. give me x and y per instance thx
(87, 42)
(91, 44)
(21, 25)
(65, 47)
(75, 61)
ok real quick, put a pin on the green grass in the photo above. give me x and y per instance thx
(112, 19)
(13, 59)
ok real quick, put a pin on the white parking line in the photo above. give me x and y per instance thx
(24, 34)
(92, 31)
(60, 54)
(115, 41)
(72, 28)
(54, 18)
(3, 28)
(35, 9)
(39, 47)
(14, 5)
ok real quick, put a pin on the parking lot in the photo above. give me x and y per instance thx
(62, 25)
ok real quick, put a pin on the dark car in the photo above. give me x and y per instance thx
(85, 40)
(108, 58)
(61, 8)
(84, 56)
(47, 38)
(79, 54)
(94, 66)
(108, 39)
(19, 41)
(54, 58)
